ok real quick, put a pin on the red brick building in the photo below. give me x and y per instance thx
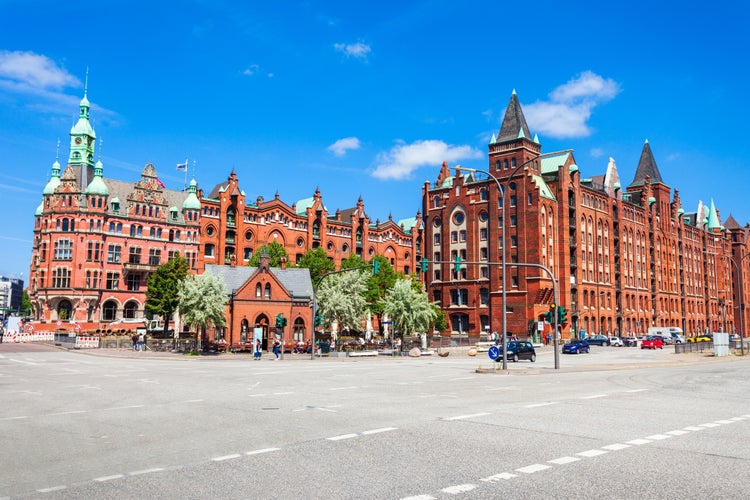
(233, 228)
(624, 259)
(96, 240)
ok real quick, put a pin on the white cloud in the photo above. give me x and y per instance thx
(357, 50)
(340, 147)
(570, 105)
(254, 69)
(401, 161)
(27, 70)
(596, 152)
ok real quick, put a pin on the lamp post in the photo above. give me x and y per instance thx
(503, 255)
(739, 300)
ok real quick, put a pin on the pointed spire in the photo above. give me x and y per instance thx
(713, 217)
(514, 123)
(493, 139)
(647, 167)
(54, 180)
(536, 138)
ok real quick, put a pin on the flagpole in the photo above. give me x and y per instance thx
(184, 186)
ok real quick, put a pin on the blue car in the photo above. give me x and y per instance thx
(576, 347)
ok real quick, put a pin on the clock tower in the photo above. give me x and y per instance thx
(82, 136)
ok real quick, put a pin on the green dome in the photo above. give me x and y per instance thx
(192, 202)
(54, 180)
(97, 186)
(39, 210)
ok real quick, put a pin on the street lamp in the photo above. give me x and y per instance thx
(739, 301)
(502, 239)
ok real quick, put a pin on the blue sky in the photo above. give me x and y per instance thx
(368, 98)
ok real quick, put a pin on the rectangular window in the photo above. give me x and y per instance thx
(513, 220)
(513, 200)
(135, 255)
(172, 254)
(134, 282)
(483, 253)
(61, 278)
(462, 235)
(483, 233)
(113, 254)
(113, 281)
(437, 238)
(94, 252)
(154, 257)
(454, 237)
(485, 271)
(63, 250)
(514, 240)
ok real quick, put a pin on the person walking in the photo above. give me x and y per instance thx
(141, 341)
(276, 348)
(134, 338)
(257, 351)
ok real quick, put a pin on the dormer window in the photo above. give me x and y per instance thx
(115, 206)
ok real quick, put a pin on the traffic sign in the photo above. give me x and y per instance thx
(493, 352)
(59, 323)
(77, 327)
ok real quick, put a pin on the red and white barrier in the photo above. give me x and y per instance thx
(87, 343)
(29, 337)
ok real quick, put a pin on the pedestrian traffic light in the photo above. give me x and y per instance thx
(375, 266)
(425, 262)
(279, 321)
(318, 319)
(561, 314)
(457, 265)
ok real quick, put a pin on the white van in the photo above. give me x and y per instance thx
(669, 334)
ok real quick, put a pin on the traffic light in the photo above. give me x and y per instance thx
(318, 319)
(279, 320)
(375, 266)
(550, 315)
(457, 265)
(425, 262)
(561, 314)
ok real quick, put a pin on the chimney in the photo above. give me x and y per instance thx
(264, 262)
(283, 263)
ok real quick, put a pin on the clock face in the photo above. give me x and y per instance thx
(78, 140)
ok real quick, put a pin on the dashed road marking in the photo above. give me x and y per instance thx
(693, 428)
(359, 434)
(591, 453)
(497, 477)
(538, 405)
(109, 478)
(343, 436)
(595, 396)
(226, 457)
(616, 447)
(146, 471)
(420, 497)
(710, 424)
(51, 489)
(725, 422)
(676, 432)
(530, 469)
(343, 388)
(462, 417)
(459, 488)
(564, 460)
(658, 437)
(636, 390)
(378, 431)
(264, 450)
(638, 442)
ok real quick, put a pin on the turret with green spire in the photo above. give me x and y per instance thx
(82, 135)
(192, 202)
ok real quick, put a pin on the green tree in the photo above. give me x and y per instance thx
(340, 299)
(164, 284)
(275, 252)
(26, 308)
(353, 260)
(202, 301)
(317, 261)
(378, 285)
(408, 308)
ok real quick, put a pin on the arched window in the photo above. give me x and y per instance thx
(299, 330)
(130, 310)
(109, 311)
(268, 291)
(258, 290)
(64, 310)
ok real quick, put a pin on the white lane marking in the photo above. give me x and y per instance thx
(377, 431)
(537, 405)
(73, 412)
(638, 441)
(591, 453)
(676, 432)
(226, 457)
(459, 488)
(636, 390)
(20, 417)
(256, 395)
(343, 436)
(22, 361)
(461, 417)
(737, 419)
(264, 450)
(191, 401)
(145, 471)
(498, 477)
(616, 447)
(419, 497)
(51, 489)
(282, 393)
(109, 478)
(123, 407)
(693, 428)
(564, 460)
(343, 388)
(530, 469)
(710, 424)
(725, 422)
(658, 437)
(595, 396)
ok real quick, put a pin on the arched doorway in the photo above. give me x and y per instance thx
(262, 322)
(109, 311)
(299, 330)
(244, 329)
(64, 310)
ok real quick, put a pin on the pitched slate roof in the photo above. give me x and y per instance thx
(296, 280)
(514, 123)
(647, 166)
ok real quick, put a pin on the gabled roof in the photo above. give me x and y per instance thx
(514, 123)
(731, 223)
(408, 224)
(647, 167)
(550, 162)
(295, 280)
(544, 190)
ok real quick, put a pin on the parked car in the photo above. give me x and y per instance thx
(616, 342)
(735, 337)
(597, 340)
(630, 341)
(652, 342)
(576, 347)
(517, 349)
(677, 338)
(701, 338)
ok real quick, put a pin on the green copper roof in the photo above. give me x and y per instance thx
(97, 186)
(550, 163)
(192, 202)
(304, 204)
(54, 180)
(39, 210)
(408, 224)
(544, 190)
(713, 218)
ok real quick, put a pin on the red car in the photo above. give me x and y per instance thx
(652, 342)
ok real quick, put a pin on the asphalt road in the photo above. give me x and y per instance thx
(618, 423)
